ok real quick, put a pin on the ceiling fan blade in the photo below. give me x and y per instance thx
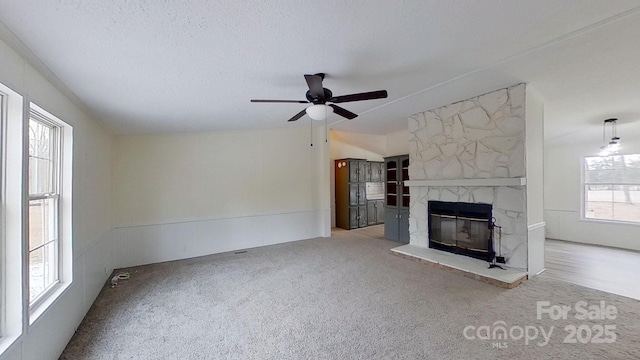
(298, 115)
(380, 94)
(343, 112)
(280, 101)
(315, 85)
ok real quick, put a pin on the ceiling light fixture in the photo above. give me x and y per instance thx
(319, 112)
(612, 146)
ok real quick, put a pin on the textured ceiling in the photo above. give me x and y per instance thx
(149, 66)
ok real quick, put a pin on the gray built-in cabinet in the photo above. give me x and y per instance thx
(375, 212)
(353, 208)
(396, 219)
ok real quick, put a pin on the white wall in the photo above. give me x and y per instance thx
(562, 197)
(368, 144)
(398, 143)
(93, 248)
(186, 195)
(534, 148)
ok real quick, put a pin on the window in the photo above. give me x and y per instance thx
(49, 214)
(11, 201)
(44, 198)
(612, 187)
(2, 206)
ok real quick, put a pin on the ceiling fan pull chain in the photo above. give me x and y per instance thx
(326, 130)
(311, 131)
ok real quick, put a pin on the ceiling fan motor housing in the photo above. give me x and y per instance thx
(317, 100)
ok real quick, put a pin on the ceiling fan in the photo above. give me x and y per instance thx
(319, 96)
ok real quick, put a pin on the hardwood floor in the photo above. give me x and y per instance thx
(375, 231)
(608, 269)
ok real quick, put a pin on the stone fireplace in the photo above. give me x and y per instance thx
(478, 152)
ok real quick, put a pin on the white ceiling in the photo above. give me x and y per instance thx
(150, 66)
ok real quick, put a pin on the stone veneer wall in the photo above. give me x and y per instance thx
(478, 138)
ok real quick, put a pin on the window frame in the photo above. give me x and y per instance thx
(583, 193)
(55, 143)
(12, 171)
(3, 151)
(64, 178)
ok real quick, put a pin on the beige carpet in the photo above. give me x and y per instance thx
(345, 297)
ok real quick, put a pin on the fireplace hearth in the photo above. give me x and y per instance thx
(461, 228)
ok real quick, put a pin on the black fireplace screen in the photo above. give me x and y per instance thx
(462, 228)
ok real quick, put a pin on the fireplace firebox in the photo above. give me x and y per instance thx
(461, 228)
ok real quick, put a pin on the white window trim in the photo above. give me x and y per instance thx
(11, 216)
(583, 215)
(65, 255)
(55, 143)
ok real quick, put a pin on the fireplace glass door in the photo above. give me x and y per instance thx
(461, 228)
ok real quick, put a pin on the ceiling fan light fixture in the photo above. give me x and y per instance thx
(319, 112)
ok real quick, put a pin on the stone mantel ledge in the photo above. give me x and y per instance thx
(518, 181)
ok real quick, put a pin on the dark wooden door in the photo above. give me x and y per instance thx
(362, 194)
(362, 171)
(353, 170)
(362, 216)
(354, 191)
(372, 212)
(376, 171)
(366, 175)
(353, 217)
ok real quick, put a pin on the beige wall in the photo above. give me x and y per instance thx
(189, 195)
(185, 177)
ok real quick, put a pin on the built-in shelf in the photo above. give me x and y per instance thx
(519, 181)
